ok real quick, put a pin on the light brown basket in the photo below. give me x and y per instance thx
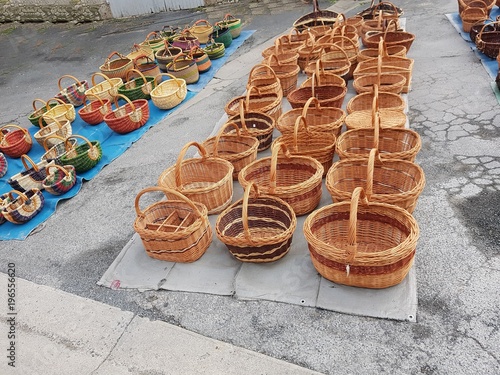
(318, 118)
(202, 29)
(61, 111)
(170, 93)
(288, 74)
(386, 82)
(264, 78)
(173, 230)
(295, 179)
(106, 89)
(257, 228)
(268, 103)
(391, 38)
(327, 95)
(362, 244)
(323, 77)
(364, 101)
(373, 53)
(283, 56)
(240, 150)
(308, 53)
(54, 127)
(334, 60)
(207, 180)
(117, 67)
(472, 14)
(305, 142)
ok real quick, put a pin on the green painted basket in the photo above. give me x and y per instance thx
(34, 116)
(221, 34)
(234, 25)
(84, 156)
(137, 88)
(215, 50)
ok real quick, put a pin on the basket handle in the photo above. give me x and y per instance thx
(308, 103)
(144, 81)
(275, 149)
(373, 157)
(387, 27)
(41, 101)
(101, 75)
(166, 191)
(376, 127)
(202, 21)
(352, 245)
(221, 132)
(66, 105)
(298, 121)
(13, 126)
(228, 17)
(68, 76)
(152, 33)
(112, 54)
(249, 91)
(20, 195)
(242, 117)
(244, 215)
(177, 80)
(95, 96)
(54, 120)
(273, 57)
(25, 158)
(68, 146)
(178, 163)
(46, 146)
(126, 99)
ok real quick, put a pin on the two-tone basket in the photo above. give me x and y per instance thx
(24, 207)
(74, 93)
(128, 117)
(84, 156)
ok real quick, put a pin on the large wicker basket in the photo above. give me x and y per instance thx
(327, 95)
(257, 229)
(268, 103)
(174, 230)
(362, 244)
(207, 180)
(288, 74)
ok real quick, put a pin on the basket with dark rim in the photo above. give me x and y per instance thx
(207, 179)
(317, 17)
(319, 119)
(221, 34)
(386, 82)
(256, 124)
(31, 177)
(146, 65)
(257, 228)
(38, 112)
(386, 100)
(94, 111)
(106, 89)
(295, 179)
(214, 50)
(240, 150)
(173, 230)
(264, 79)
(384, 8)
(62, 129)
(128, 117)
(136, 88)
(184, 66)
(24, 207)
(305, 142)
(166, 54)
(327, 95)
(323, 77)
(488, 42)
(74, 93)
(392, 181)
(60, 179)
(169, 93)
(268, 103)
(15, 143)
(117, 67)
(288, 74)
(392, 143)
(360, 243)
(83, 156)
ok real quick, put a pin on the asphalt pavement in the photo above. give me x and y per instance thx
(67, 323)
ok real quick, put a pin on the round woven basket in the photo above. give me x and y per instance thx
(361, 243)
(169, 93)
(268, 103)
(288, 74)
(328, 95)
(128, 117)
(264, 78)
(106, 89)
(295, 179)
(386, 100)
(15, 141)
(62, 129)
(117, 67)
(207, 179)
(258, 228)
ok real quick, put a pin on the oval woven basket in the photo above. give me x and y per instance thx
(154, 40)
(61, 111)
(173, 230)
(57, 151)
(283, 56)
(373, 53)
(207, 180)
(393, 181)
(488, 42)
(334, 60)
(201, 29)
(34, 116)
(386, 82)
(54, 127)
(328, 95)
(106, 89)
(93, 112)
(31, 177)
(116, 66)
(83, 156)
(322, 77)
(169, 93)
(128, 117)
(24, 207)
(287, 74)
(391, 38)
(74, 93)
(166, 54)
(268, 103)
(15, 141)
(233, 23)
(295, 179)
(264, 78)
(137, 85)
(257, 228)
(60, 179)
(361, 243)
(4, 166)
(385, 100)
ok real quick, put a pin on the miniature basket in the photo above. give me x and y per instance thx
(56, 151)
(84, 156)
(207, 180)
(295, 179)
(15, 143)
(362, 244)
(392, 181)
(34, 116)
(287, 73)
(54, 127)
(328, 95)
(61, 112)
(137, 88)
(165, 55)
(117, 67)
(170, 93)
(268, 103)
(240, 150)
(32, 177)
(173, 230)
(128, 117)
(93, 112)
(264, 79)
(183, 66)
(202, 29)
(106, 89)
(60, 179)
(24, 207)
(257, 228)
(255, 124)
(318, 118)
(4, 165)
(305, 142)
(73, 94)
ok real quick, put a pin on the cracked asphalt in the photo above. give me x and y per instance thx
(452, 107)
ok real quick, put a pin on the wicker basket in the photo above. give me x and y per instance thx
(264, 79)
(15, 142)
(154, 40)
(185, 41)
(304, 142)
(372, 53)
(284, 56)
(364, 101)
(334, 60)
(392, 181)
(254, 100)
(214, 50)
(201, 29)
(93, 113)
(116, 67)
(4, 166)
(233, 23)
(184, 67)
(74, 93)
(84, 156)
(31, 177)
(136, 88)
(362, 244)
(146, 65)
(257, 229)
(328, 95)
(24, 207)
(173, 230)
(170, 93)
(60, 179)
(240, 150)
(488, 42)
(106, 89)
(391, 38)
(308, 53)
(463, 4)
(472, 15)
(295, 179)
(386, 82)
(255, 124)
(207, 180)
(128, 117)
(323, 77)
(34, 116)
(5, 200)
(287, 74)
(57, 150)
(138, 50)
(61, 111)
(62, 129)
(201, 58)
(165, 55)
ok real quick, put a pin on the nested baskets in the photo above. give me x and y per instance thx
(14, 140)
(60, 179)
(61, 111)
(207, 179)
(373, 53)
(257, 228)
(84, 156)
(256, 124)
(240, 150)
(74, 93)
(169, 93)
(472, 14)
(136, 88)
(106, 89)
(287, 73)
(334, 60)
(54, 127)
(264, 78)
(93, 112)
(32, 177)
(116, 65)
(295, 179)
(128, 117)
(327, 95)
(24, 207)
(283, 56)
(361, 243)
(393, 181)
(304, 142)
(318, 118)
(173, 230)
(268, 103)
